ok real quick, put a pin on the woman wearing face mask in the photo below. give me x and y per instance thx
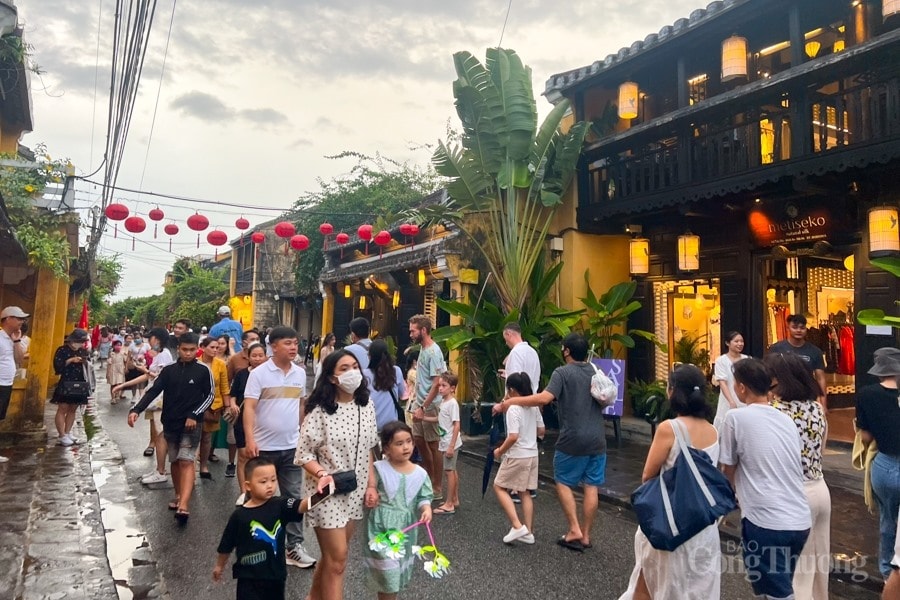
(70, 362)
(337, 434)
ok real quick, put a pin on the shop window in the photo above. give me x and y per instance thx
(688, 316)
(697, 88)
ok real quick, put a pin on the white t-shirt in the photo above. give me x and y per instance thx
(524, 422)
(163, 359)
(277, 424)
(448, 415)
(524, 359)
(7, 359)
(764, 444)
(139, 351)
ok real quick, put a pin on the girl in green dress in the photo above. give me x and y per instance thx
(398, 494)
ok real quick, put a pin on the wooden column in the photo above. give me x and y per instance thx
(44, 340)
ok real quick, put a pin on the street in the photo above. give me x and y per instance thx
(480, 563)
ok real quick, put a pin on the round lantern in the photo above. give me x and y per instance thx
(198, 223)
(299, 242)
(382, 238)
(413, 232)
(155, 214)
(405, 229)
(116, 212)
(242, 224)
(285, 230)
(365, 233)
(217, 237)
(342, 238)
(135, 225)
(326, 229)
(171, 229)
(258, 237)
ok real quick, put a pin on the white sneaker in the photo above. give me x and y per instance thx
(3, 459)
(65, 440)
(515, 534)
(240, 500)
(298, 557)
(154, 477)
(527, 539)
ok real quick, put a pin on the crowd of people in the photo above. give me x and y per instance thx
(369, 436)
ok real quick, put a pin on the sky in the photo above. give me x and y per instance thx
(256, 95)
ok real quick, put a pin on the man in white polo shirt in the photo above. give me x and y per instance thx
(11, 354)
(272, 406)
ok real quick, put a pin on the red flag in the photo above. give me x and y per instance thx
(83, 321)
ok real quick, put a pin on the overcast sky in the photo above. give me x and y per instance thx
(256, 94)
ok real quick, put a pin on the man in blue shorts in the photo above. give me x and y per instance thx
(580, 456)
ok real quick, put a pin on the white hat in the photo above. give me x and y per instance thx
(13, 311)
(224, 311)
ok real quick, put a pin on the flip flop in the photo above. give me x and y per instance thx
(149, 451)
(182, 516)
(173, 505)
(443, 511)
(574, 545)
(587, 546)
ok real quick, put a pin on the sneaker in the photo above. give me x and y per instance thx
(527, 539)
(515, 497)
(240, 500)
(154, 477)
(298, 557)
(230, 470)
(65, 440)
(533, 494)
(515, 534)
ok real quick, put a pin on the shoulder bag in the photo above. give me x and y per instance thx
(401, 414)
(681, 501)
(345, 481)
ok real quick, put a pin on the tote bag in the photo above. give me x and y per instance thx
(681, 501)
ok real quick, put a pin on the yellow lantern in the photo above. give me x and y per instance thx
(734, 58)
(812, 48)
(889, 8)
(362, 303)
(639, 256)
(884, 234)
(396, 301)
(628, 100)
(422, 278)
(347, 291)
(849, 262)
(688, 252)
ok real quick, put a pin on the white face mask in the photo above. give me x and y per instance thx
(350, 380)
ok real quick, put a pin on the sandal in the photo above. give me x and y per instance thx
(575, 545)
(440, 510)
(173, 505)
(213, 458)
(182, 516)
(149, 451)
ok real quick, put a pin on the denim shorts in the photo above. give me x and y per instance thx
(573, 470)
(184, 445)
(770, 558)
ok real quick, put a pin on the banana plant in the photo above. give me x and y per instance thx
(506, 176)
(608, 318)
(875, 316)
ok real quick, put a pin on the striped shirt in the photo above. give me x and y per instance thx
(278, 398)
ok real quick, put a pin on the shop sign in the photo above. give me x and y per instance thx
(789, 226)
(614, 368)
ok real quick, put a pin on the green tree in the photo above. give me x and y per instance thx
(506, 173)
(375, 190)
(104, 285)
(876, 316)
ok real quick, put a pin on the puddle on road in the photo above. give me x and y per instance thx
(122, 541)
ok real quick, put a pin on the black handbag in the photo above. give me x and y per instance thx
(345, 481)
(75, 388)
(401, 414)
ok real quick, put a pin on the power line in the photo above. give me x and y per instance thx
(503, 30)
(162, 74)
(96, 75)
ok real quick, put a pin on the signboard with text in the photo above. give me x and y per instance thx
(789, 225)
(614, 368)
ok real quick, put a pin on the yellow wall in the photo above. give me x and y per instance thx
(9, 137)
(242, 310)
(605, 255)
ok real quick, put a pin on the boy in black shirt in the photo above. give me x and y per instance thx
(256, 531)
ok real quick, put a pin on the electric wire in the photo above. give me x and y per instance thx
(96, 78)
(505, 20)
(162, 74)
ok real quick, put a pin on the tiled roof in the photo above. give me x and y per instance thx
(562, 81)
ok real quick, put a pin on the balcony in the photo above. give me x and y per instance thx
(244, 282)
(828, 115)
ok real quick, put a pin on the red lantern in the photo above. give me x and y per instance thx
(365, 233)
(135, 225)
(116, 212)
(326, 229)
(171, 229)
(258, 237)
(285, 230)
(382, 238)
(342, 238)
(242, 224)
(217, 237)
(155, 214)
(405, 229)
(300, 242)
(413, 232)
(198, 223)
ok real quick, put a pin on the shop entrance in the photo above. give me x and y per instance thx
(688, 315)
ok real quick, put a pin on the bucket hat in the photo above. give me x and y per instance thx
(887, 363)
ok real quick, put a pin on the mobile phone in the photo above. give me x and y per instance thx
(317, 498)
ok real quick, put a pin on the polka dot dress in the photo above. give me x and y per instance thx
(332, 441)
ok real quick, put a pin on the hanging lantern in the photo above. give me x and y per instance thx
(884, 235)
(628, 100)
(156, 214)
(422, 278)
(382, 239)
(299, 242)
(326, 229)
(242, 224)
(639, 256)
(342, 238)
(217, 237)
(406, 229)
(396, 301)
(688, 252)
(413, 232)
(889, 8)
(365, 233)
(116, 212)
(198, 223)
(348, 291)
(135, 225)
(285, 230)
(362, 303)
(171, 229)
(257, 237)
(734, 58)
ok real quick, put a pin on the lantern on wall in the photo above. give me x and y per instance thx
(734, 58)
(688, 252)
(217, 237)
(171, 229)
(628, 100)
(116, 212)
(889, 8)
(342, 238)
(396, 300)
(422, 278)
(197, 222)
(884, 234)
(382, 238)
(348, 291)
(135, 225)
(365, 233)
(639, 256)
(299, 242)
(156, 214)
(362, 303)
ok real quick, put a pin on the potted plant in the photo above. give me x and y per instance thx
(649, 401)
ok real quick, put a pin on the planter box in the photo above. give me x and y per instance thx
(472, 422)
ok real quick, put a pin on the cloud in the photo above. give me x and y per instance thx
(300, 143)
(263, 116)
(332, 126)
(203, 106)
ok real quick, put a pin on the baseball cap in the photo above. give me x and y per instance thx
(224, 310)
(13, 311)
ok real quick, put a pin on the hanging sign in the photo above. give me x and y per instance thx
(789, 225)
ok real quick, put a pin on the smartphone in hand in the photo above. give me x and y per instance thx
(318, 498)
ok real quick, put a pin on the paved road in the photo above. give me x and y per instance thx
(482, 565)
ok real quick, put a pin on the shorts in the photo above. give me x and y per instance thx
(574, 470)
(426, 429)
(518, 474)
(5, 395)
(770, 558)
(450, 463)
(154, 415)
(184, 445)
(260, 589)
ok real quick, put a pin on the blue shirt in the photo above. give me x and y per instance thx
(231, 328)
(385, 409)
